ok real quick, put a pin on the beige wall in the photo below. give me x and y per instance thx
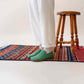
(14, 22)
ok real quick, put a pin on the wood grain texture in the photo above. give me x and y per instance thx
(68, 13)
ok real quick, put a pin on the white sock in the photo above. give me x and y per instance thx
(50, 49)
(40, 46)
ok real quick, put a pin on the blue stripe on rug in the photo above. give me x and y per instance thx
(11, 52)
(5, 48)
(70, 54)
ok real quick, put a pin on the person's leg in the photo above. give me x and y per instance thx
(47, 24)
(47, 29)
(33, 11)
(41, 15)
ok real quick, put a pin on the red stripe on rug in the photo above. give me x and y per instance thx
(32, 52)
(80, 53)
(8, 50)
(35, 49)
(66, 58)
(22, 50)
(60, 54)
(29, 52)
(15, 53)
(22, 53)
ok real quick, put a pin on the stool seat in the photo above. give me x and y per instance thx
(68, 13)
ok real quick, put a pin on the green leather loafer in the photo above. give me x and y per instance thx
(35, 53)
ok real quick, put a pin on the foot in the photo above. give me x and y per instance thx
(43, 55)
(35, 53)
(50, 49)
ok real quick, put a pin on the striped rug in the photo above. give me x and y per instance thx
(20, 52)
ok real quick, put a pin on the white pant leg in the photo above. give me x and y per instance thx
(47, 23)
(42, 21)
(34, 20)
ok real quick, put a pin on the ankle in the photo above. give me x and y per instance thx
(41, 47)
(50, 49)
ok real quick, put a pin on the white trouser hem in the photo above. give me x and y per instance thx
(47, 46)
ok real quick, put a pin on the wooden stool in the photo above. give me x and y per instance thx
(73, 24)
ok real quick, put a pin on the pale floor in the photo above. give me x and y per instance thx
(25, 72)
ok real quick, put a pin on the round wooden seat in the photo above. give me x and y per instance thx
(68, 13)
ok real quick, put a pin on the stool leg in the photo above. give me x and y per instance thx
(72, 36)
(62, 31)
(58, 30)
(76, 35)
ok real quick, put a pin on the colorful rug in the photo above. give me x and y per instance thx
(20, 52)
